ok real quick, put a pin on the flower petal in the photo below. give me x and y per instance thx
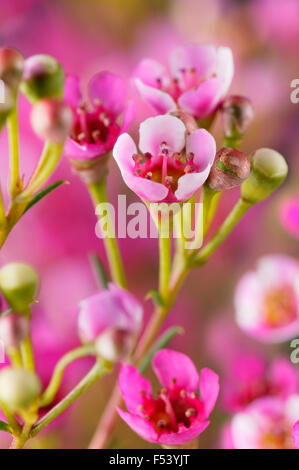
(209, 389)
(142, 427)
(110, 89)
(169, 365)
(72, 93)
(225, 68)
(296, 435)
(132, 384)
(77, 151)
(203, 100)
(146, 189)
(149, 71)
(202, 59)
(183, 436)
(129, 115)
(153, 131)
(202, 144)
(123, 151)
(161, 101)
(284, 377)
(188, 184)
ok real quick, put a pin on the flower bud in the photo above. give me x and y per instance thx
(13, 329)
(7, 101)
(11, 67)
(43, 77)
(188, 119)
(19, 388)
(114, 344)
(237, 115)
(230, 168)
(52, 120)
(18, 284)
(268, 171)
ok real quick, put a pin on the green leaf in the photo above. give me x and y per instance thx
(44, 192)
(161, 343)
(4, 427)
(154, 294)
(98, 269)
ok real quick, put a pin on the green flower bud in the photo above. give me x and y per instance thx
(19, 388)
(43, 77)
(268, 171)
(18, 283)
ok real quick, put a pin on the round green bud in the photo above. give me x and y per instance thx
(19, 388)
(268, 171)
(43, 77)
(18, 284)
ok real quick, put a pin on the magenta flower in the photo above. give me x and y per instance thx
(267, 300)
(250, 379)
(198, 78)
(296, 435)
(178, 415)
(171, 167)
(95, 128)
(266, 424)
(289, 215)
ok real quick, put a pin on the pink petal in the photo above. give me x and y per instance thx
(155, 130)
(161, 101)
(188, 184)
(132, 384)
(72, 93)
(209, 389)
(110, 89)
(146, 189)
(149, 71)
(123, 151)
(296, 435)
(200, 58)
(142, 427)
(77, 151)
(225, 68)
(284, 377)
(202, 144)
(203, 100)
(183, 436)
(169, 365)
(129, 304)
(129, 115)
(245, 432)
(289, 215)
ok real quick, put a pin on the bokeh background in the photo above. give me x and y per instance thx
(87, 36)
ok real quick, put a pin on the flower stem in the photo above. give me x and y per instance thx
(15, 357)
(13, 423)
(98, 370)
(210, 200)
(13, 137)
(98, 192)
(50, 392)
(27, 354)
(164, 257)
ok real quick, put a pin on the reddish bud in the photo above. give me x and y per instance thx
(13, 329)
(230, 168)
(237, 115)
(11, 66)
(52, 120)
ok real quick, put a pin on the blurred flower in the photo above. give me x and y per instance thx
(95, 128)
(289, 215)
(266, 424)
(296, 435)
(267, 300)
(13, 329)
(178, 415)
(111, 308)
(250, 378)
(198, 79)
(165, 171)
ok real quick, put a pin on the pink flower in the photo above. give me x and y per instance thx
(296, 435)
(250, 379)
(178, 415)
(289, 215)
(111, 308)
(267, 300)
(198, 78)
(171, 166)
(95, 129)
(266, 424)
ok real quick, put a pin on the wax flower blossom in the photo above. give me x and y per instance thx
(171, 166)
(111, 318)
(249, 378)
(267, 300)
(178, 415)
(266, 424)
(95, 128)
(296, 435)
(198, 78)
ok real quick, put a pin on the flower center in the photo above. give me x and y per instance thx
(173, 407)
(280, 306)
(188, 79)
(165, 168)
(94, 125)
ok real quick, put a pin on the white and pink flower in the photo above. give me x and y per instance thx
(198, 78)
(267, 300)
(171, 165)
(178, 414)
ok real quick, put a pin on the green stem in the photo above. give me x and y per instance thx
(230, 222)
(164, 256)
(15, 357)
(209, 199)
(13, 137)
(98, 192)
(27, 354)
(50, 392)
(231, 142)
(13, 423)
(98, 370)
